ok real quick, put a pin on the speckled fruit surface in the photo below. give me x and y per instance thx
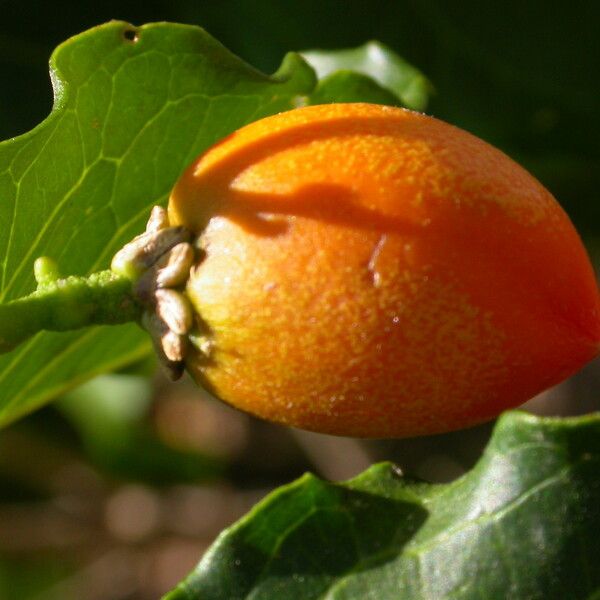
(370, 271)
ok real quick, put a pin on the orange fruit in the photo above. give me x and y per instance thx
(371, 271)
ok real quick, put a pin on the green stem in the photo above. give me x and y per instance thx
(63, 304)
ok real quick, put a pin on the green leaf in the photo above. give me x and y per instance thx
(379, 63)
(523, 524)
(348, 86)
(129, 115)
(133, 107)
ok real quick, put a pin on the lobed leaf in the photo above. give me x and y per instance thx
(133, 107)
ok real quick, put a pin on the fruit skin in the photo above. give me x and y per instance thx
(374, 272)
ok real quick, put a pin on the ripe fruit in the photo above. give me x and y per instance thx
(370, 271)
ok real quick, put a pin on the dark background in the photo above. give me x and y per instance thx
(100, 503)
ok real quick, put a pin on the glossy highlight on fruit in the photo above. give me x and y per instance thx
(371, 271)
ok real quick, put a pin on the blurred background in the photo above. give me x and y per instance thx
(115, 491)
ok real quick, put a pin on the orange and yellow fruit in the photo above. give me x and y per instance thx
(370, 271)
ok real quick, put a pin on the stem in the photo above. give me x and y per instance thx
(59, 305)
